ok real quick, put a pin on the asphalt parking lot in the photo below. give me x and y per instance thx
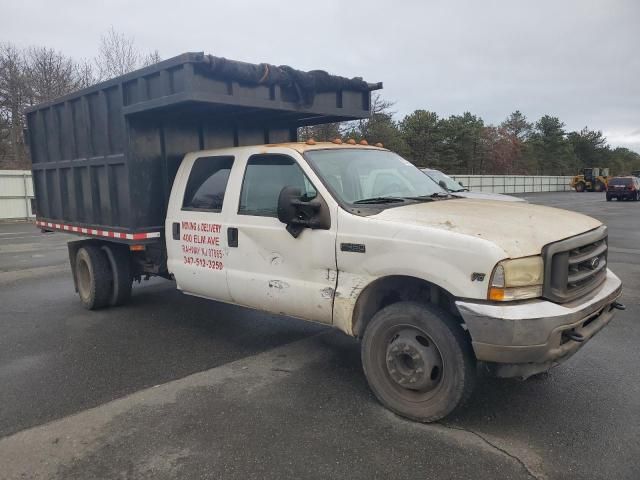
(172, 386)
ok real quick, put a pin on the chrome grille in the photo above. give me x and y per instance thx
(575, 266)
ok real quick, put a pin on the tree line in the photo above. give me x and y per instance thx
(461, 144)
(33, 75)
(464, 144)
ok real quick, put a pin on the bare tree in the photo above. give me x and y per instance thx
(50, 74)
(5, 139)
(13, 99)
(117, 55)
(151, 58)
(86, 73)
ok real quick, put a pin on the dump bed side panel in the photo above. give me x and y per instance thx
(105, 157)
(79, 159)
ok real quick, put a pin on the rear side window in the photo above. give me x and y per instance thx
(264, 178)
(207, 184)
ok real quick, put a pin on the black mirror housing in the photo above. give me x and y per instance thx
(286, 210)
(298, 214)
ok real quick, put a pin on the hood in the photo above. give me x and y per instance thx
(488, 196)
(519, 228)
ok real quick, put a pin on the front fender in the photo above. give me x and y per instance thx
(445, 259)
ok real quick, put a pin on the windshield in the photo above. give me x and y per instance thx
(437, 176)
(358, 175)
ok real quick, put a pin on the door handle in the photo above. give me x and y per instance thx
(175, 230)
(232, 236)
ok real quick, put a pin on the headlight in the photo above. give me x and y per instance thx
(517, 279)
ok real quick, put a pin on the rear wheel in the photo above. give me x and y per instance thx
(93, 277)
(599, 187)
(417, 361)
(120, 266)
(580, 187)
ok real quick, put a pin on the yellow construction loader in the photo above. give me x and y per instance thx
(591, 180)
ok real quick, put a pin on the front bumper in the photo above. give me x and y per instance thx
(529, 337)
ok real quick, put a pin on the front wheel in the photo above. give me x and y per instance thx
(418, 361)
(580, 187)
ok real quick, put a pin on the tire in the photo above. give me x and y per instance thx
(599, 187)
(93, 277)
(608, 198)
(405, 337)
(120, 266)
(580, 187)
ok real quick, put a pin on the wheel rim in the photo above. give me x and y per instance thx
(413, 361)
(84, 278)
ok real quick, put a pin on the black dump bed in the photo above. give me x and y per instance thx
(104, 158)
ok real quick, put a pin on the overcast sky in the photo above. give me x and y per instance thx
(578, 59)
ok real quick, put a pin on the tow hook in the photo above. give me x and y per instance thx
(575, 336)
(618, 306)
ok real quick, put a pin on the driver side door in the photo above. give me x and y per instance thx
(267, 268)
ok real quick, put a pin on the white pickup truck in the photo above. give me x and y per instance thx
(348, 235)
(358, 238)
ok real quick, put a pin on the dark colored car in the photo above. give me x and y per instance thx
(624, 188)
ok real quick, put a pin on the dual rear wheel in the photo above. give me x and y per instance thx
(103, 275)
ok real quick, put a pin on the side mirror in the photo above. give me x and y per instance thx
(443, 185)
(298, 214)
(461, 184)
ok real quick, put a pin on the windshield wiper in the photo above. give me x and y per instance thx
(422, 198)
(433, 196)
(378, 200)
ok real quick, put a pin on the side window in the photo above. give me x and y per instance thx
(207, 184)
(264, 178)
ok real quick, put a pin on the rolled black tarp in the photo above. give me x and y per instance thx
(305, 84)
